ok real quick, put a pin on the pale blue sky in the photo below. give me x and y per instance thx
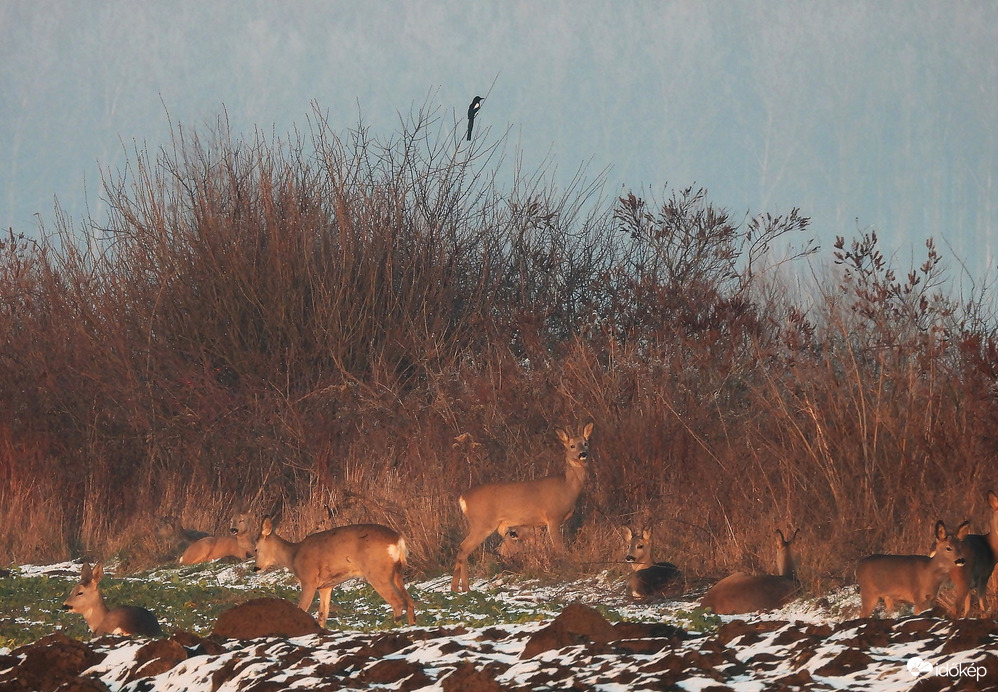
(881, 114)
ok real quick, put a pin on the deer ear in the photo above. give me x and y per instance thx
(940, 530)
(962, 530)
(646, 534)
(627, 533)
(267, 528)
(98, 571)
(562, 435)
(587, 431)
(86, 574)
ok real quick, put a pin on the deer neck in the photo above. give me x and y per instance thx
(785, 565)
(575, 475)
(278, 552)
(645, 563)
(96, 613)
(285, 551)
(939, 565)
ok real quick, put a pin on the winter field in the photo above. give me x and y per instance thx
(509, 633)
(338, 330)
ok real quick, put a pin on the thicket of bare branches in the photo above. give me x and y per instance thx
(286, 325)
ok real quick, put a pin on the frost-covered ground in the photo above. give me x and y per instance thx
(477, 641)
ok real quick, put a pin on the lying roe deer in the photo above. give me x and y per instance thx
(913, 579)
(980, 551)
(520, 543)
(546, 502)
(86, 599)
(169, 528)
(746, 593)
(238, 544)
(650, 578)
(326, 559)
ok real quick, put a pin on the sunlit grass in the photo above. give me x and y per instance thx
(191, 599)
(33, 604)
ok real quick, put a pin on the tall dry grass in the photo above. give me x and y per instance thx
(290, 325)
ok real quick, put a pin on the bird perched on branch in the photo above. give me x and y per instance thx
(472, 112)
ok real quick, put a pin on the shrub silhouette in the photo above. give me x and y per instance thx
(373, 327)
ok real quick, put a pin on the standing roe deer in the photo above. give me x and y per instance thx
(981, 553)
(546, 502)
(746, 593)
(913, 579)
(326, 559)
(238, 544)
(86, 599)
(650, 578)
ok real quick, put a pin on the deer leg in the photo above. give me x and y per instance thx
(388, 588)
(460, 580)
(961, 588)
(963, 606)
(554, 533)
(868, 605)
(324, 595)
(307, 594)
(400, 586)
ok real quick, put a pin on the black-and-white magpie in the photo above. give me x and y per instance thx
(472, 112)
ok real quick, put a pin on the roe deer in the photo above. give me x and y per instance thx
(913, 579)
(546, 502)
(170, 529)
(746, 593)
(326, 559)
(238, 544)
(981, 553)
(86, 599)
(650, 578)
(520, 543)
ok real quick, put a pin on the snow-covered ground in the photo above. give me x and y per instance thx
(806, 645)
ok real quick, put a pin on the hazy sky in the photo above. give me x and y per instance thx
(877, 115)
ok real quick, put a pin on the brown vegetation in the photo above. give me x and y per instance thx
(377, 327)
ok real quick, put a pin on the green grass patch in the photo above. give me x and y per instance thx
(191, 599)
(33, 605)
(696, 620)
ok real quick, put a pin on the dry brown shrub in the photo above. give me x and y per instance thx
(286, 326)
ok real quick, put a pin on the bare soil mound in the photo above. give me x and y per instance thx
(265, 617)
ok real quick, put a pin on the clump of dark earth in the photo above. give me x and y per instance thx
(265, 617)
